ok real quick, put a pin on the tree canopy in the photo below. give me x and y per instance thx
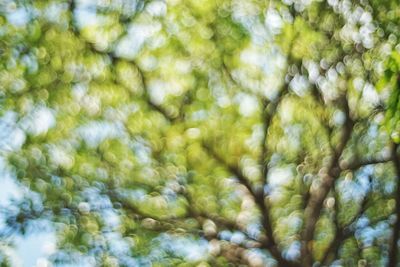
(203, 132)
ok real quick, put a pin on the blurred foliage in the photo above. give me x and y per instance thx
(202, 133)
(391, 78)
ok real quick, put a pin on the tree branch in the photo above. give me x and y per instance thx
(269, 109)
(393, 251)
(359, 163)
(343, 232)
(228, 74)
(258, 197)
(315, 204)
(114, 60)
(235, 170)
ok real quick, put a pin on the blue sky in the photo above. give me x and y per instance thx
(33, 249)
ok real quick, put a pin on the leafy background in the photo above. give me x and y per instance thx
(200, 133)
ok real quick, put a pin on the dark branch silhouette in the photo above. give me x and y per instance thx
(394, 249)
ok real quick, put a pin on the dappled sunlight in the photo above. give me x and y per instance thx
(199, 133)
